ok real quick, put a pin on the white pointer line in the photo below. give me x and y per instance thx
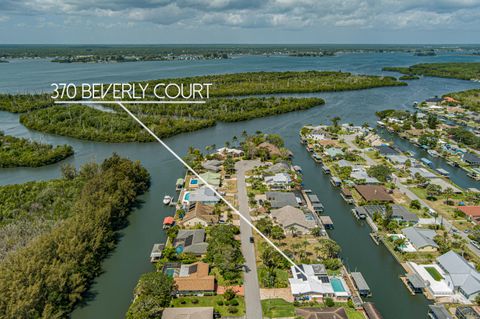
(212, 188)
(130, 102)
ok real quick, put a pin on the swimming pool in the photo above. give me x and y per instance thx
(170, 272)
(309, 216)
(337, 285)
(186, 197)
(179, 249)
(193, 181)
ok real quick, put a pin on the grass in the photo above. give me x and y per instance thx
(211, 301)
(277, 308)
(434, 273)
(281, 279)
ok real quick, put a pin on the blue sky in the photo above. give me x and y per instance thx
(234, 21)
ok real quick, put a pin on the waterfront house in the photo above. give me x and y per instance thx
(373, 193)
(317, 284)
(386, 150)
(398, 159)
(293, 218)
(344, 163)
(278, 181)
(401, 214)
(272, 149)
(194, 279)
(471, 159)
(438, 312)
(421, 171)
(333, 152)
(472, 212)
(281, 199)
(421, 239)
(224, 151)
(188, 313)
(461, 274)
(211, 178)
(200, 214)
(444, 185)
(278, 168)
(203, 195)
(433, 101)
(191, 241)
(467, 312)
(321, 313)
(212, 165)
(360, 175)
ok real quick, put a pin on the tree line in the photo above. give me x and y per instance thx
(48, 277)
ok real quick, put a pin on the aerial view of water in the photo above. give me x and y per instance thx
(111, 293)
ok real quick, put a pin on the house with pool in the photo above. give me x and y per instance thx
(317, 284)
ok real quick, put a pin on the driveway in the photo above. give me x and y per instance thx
(252, 289)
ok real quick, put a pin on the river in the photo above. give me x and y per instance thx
(111, 293)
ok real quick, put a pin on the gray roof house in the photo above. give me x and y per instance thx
(402, 214)
(204, 195)
(280, 199)
(278, 167)
(191, 241)
(438, 312)
(461, 275)
(278, 181)
(212, 165)
(420, 238)
(289, 216)
(422, 172)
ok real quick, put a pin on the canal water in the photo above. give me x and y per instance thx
(112, 292)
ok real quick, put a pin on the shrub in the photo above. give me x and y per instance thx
(183, 301)
(329, 302)
(234, 302)
(229, 294)
(220, 302)
(194, 301)
(232, 309)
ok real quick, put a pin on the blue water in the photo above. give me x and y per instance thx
(337, 285)
(193, 181)
(130, 259)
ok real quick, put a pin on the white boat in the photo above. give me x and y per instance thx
(167, 199)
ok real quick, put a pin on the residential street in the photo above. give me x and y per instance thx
(252, 289)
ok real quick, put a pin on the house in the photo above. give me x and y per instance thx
(188, 313)
(333, 152)
(290, 217)
(373, 193)
(467, 312)
(344, 163)
(401, 214)
(421, 171)
(203, 195)
(278, 168)
(386, 150)
(434, 101)
(281, 199)
(212, 165)
(278, 181)
(473, 212)
(200, 214)
(438, 312)
(471, 159)
(321, 313)
(230, 151)
(361, 175)
(421, 239)
(272, 149)
(316, 284)
(194, 279)
(211, 178)
(398, 159)
(460, 275)
(444, 185)
(191, 241)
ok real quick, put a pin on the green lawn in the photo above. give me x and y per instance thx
(277, 308)
(281, 279)
(434, 273)
(211, 301)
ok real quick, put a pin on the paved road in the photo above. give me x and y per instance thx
(252, 289)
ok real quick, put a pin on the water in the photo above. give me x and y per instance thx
(112, 291)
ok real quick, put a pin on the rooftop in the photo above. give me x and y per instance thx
(321, 313)
(188, 313)
(281, 199)
(373, 193)
(420, 237)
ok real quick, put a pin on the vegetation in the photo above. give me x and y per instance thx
(380, 172)
(462, 135)
(153, 293)
(86, 123)
(408, 77)
(16, 152)
(226, 307)
(434, 273)
(456, 70)
(50, 275)
(239, 84)
(18, 103)
(469, 99)
(224, 252)
(277, 308)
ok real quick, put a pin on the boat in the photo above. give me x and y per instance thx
(474, 176)
(411, 153)
(325, 169)
(167, 199)
(426, 161)
(443, 172)
(433, 153)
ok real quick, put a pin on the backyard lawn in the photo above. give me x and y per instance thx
(212, 301)
(434, 273)
(277, 308)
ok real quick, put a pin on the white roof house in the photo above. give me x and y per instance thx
(279, 180)
(422, 172)
(317, 284)
(445, 185)
(204, 195)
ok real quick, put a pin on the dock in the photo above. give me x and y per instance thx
(156, 253)
(375, 238)
(327, 222)
(361, 284)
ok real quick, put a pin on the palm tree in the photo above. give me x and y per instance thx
(335, 121)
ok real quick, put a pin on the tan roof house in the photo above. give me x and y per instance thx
(194, 279)
(289, 217)
(200, 214)
(188, 313)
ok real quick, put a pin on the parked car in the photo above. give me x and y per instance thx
(252, 240)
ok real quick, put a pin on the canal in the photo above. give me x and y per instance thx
(112, 291)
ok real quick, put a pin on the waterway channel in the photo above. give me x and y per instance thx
(112, 291)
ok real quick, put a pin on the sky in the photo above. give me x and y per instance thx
(236, 21)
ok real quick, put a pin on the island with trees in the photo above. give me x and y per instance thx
(56, 233)
(455, 70)
(22, 152)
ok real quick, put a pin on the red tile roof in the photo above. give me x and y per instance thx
(472, 211)
(168, 220)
